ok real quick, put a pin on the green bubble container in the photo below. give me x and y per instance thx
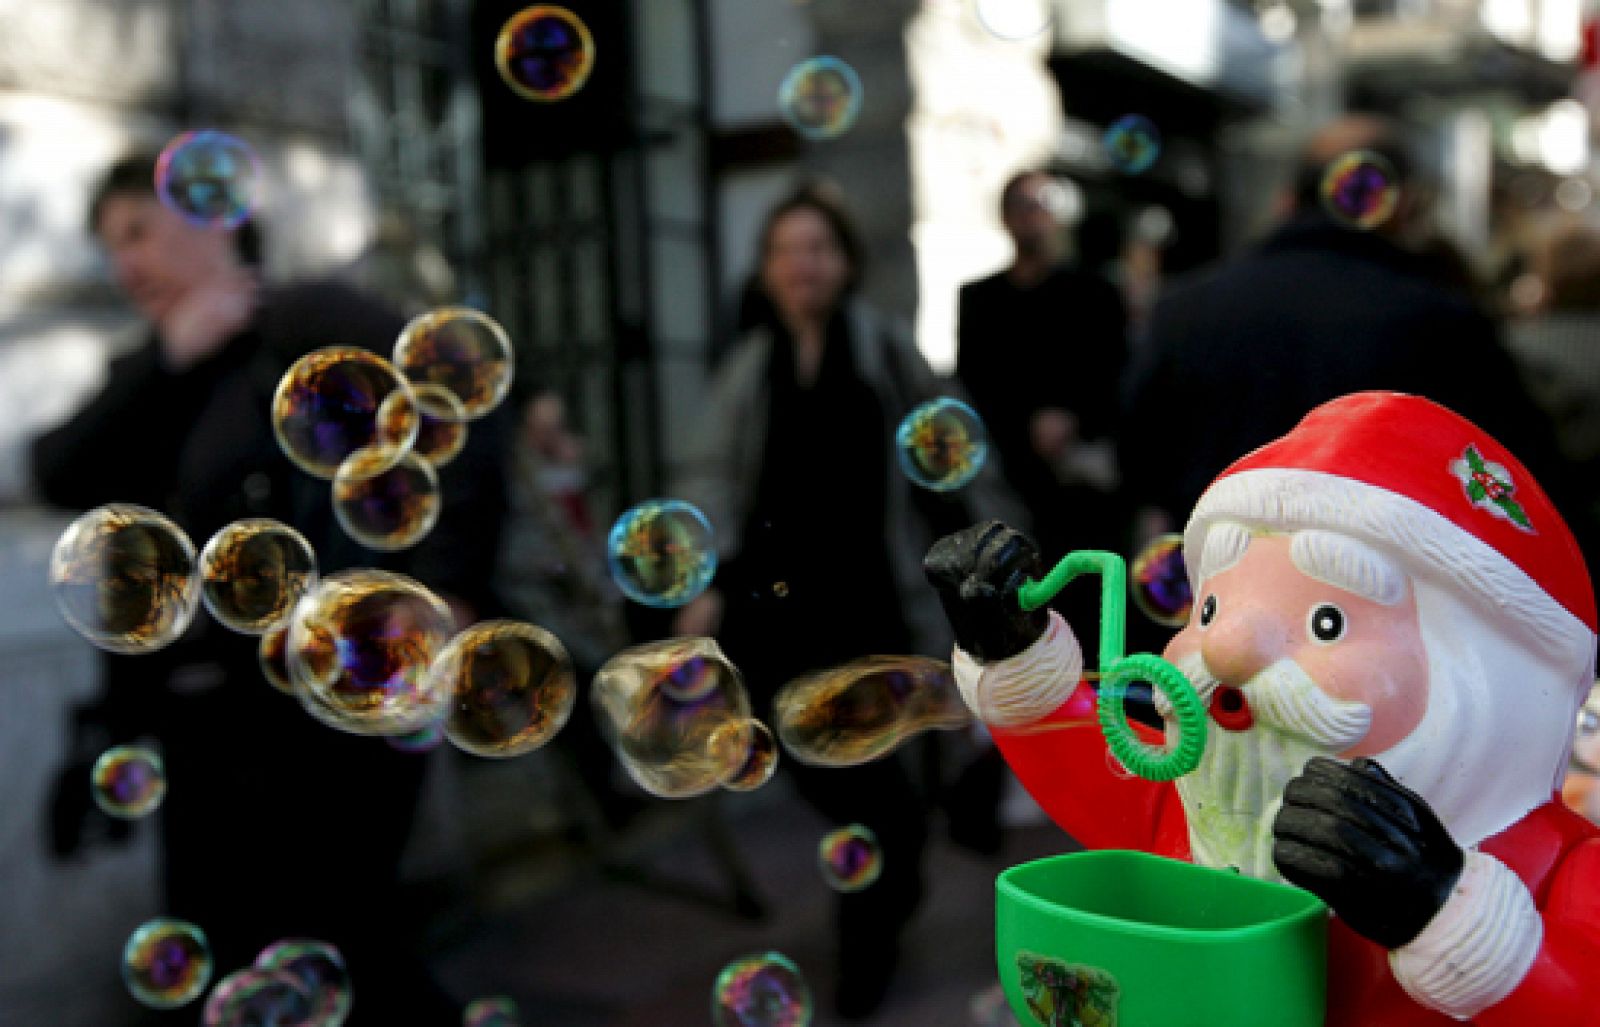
(1126, 938)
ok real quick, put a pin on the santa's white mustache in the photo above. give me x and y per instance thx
(1285, 697)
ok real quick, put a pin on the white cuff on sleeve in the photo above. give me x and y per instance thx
(1478, 947)
(1022, 688)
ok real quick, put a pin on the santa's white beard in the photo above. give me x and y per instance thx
(1231, 798)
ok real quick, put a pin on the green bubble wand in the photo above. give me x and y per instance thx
(1117, 671)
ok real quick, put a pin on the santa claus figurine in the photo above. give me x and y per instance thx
(1393, 632)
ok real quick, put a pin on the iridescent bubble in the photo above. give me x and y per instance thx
(129, 781)
(360, 645)
(496, 1011)
(942, 444)
(443, 432)
(209, 178)
(659, 705)
(511, 684)
(864, 709)
(253, 572)
(1013, 20)
(544, 53)
(258, 998)
(1360, 189)
(747, 753)
(1160, 582)
(850, 858)
(821, 97)
(339, 400)
(166, 963)
(763, 989)
(319, 968)
(461, 349)
(125, 578)
(1132, 143)
(423, 739)
(660, 552)
(386, 510)
(273, 655)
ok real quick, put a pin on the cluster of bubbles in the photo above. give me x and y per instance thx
(764, 989)
(166, 963)
(296, 982)
(660, 552)
(1132, 143)
(1159, 580)
(942, 444)
(1360, 189)
(494, 1011)
(850, 858)
(128, 781)
(862, 710)
(209, 178)
(544, 53)
(820, 97)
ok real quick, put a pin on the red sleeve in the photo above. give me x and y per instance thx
(1064, 764)
(1562, 986)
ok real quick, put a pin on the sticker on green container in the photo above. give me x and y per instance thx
(1068, 994)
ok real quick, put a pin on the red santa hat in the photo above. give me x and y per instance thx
(1434, 491)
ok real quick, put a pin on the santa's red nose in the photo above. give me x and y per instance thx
(1230, 709)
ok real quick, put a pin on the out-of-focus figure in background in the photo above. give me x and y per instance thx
(275, 826)
(794, 465)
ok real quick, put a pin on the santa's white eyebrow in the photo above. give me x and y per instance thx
(1346, 563)
(1223, 547)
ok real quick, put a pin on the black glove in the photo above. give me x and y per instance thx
(978, 571)
(1368, 846)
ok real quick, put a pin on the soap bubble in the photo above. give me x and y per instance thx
(544, 53)
(850, 858)
(258, 998)
(443, 431)
(253, 572)
(496, 1011)
(821, 97)
(166, 963)
(462, 350)
(659, 705)
(1360, 189)
(319, 968)
(761, 990)
(339, 400)
(360, 645)
(862, 710)
(747, 753)
(511, 685)
(1013, 20)
(942, 444)
(660, 552)
(273, 655)
(129, 781)
(125, 578)
(386, 510)
(209, 178)
(1160, 582)
(1132, 143)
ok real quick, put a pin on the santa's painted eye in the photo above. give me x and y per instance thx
(1208, 611)
(1327, 623)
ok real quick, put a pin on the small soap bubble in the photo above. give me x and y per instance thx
(1160, 582)
(659, 705)
(862, 710)
(511, 684)
(360, 645)
(544, 53)
(660, 552)
(496, 1011)
(1014, 20)
(258, 998)
(821, 97)
(129, 781)
(339, 400)
(390, 509)
(747, 753)
(850, 858)
(761, 990)
(942, 444)
(319, 968)
(273, 655)
(166, 963)
(443, 431)
(1360, 189)
(209, 178)
(125, 578)
(1132, 143)
(253, 572)
(464, 351)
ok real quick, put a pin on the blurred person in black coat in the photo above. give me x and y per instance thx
(274, 825)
